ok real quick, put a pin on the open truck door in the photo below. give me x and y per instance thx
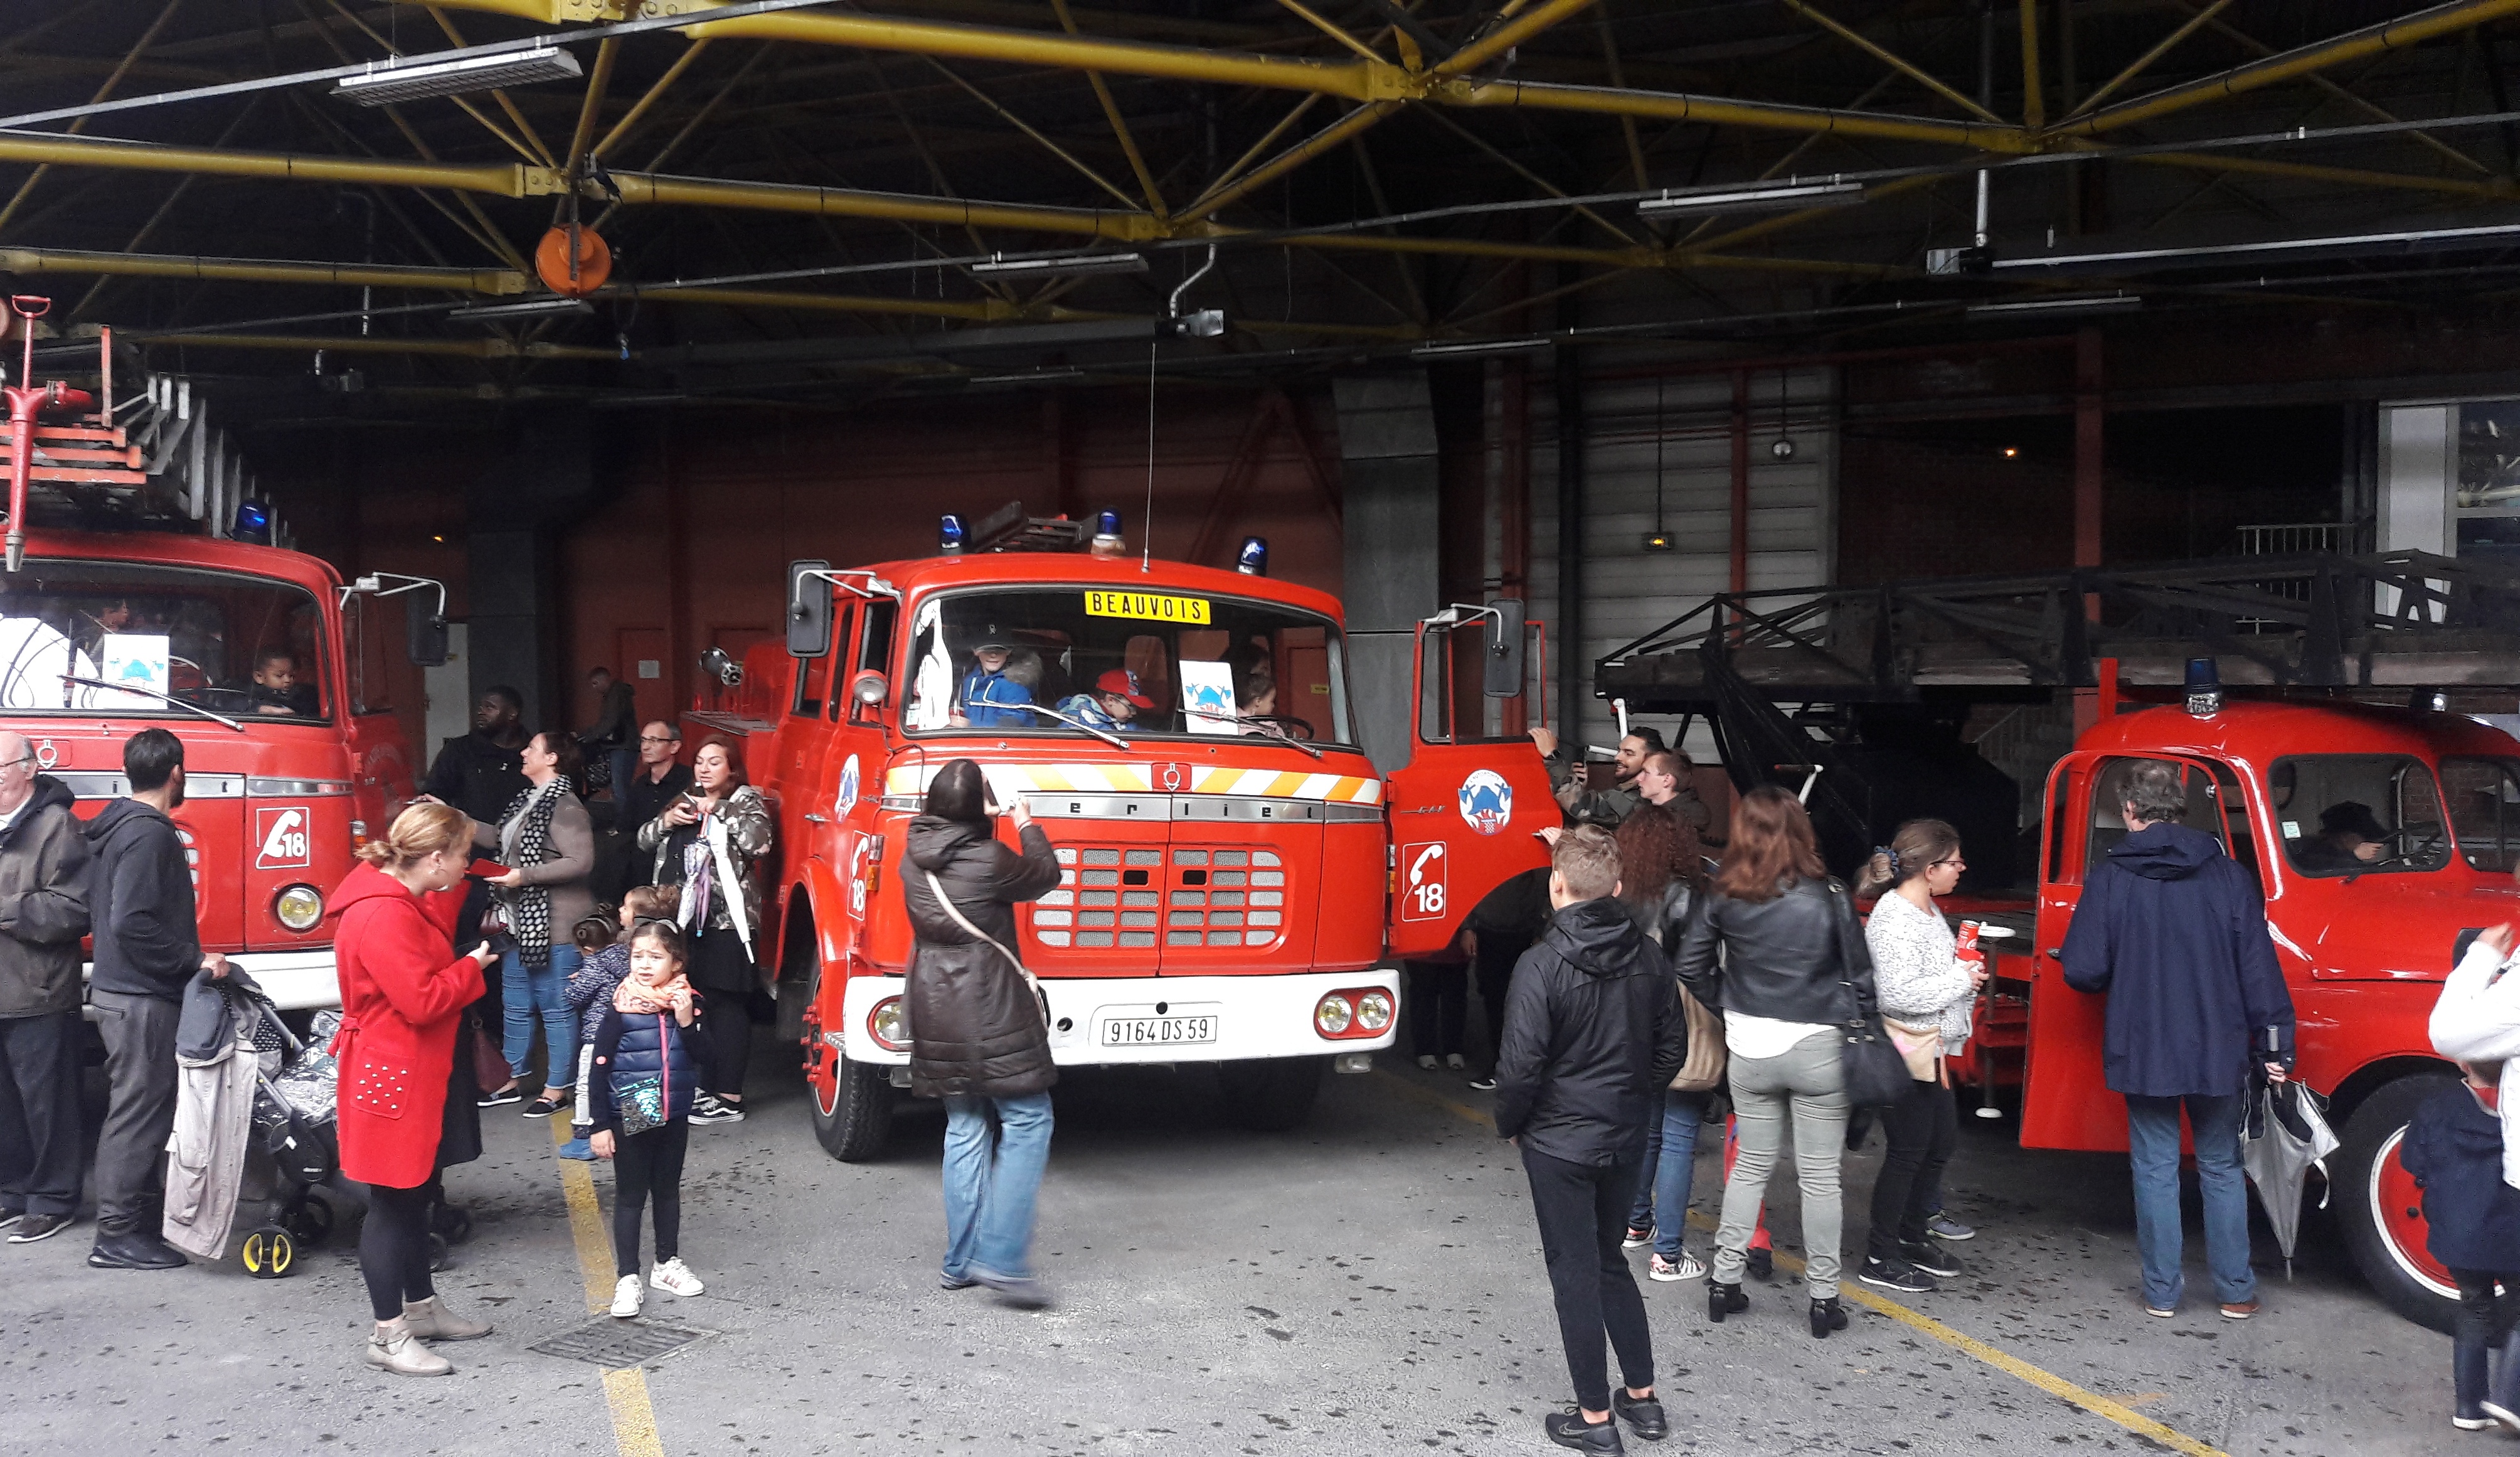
(1466, 809)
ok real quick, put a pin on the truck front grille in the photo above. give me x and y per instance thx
(1124, 896)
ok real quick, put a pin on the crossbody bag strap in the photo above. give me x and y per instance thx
(956, 913)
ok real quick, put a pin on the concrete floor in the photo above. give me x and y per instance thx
(1372, 1284)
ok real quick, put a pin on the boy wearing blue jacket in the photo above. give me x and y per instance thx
(648, 1050)
(2454, 1148)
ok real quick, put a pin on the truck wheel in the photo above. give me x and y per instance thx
(1270, 1095)
(852, 1108)
(2382, 1210)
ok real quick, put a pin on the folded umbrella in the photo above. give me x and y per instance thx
(2285, 1135)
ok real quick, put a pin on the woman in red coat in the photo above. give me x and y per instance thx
(403, 994)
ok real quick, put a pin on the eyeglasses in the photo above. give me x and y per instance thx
(654, 739)
(27, 758)
(1953, 861)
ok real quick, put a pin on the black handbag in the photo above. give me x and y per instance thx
(1877, 1074)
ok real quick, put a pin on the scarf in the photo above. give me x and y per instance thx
(524, 839)
(639, 1000)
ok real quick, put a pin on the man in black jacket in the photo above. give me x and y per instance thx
(481, 772)
(1593, 1035)
(147, 947)
(43, 913)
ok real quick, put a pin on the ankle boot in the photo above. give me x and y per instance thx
(431, 1320)
(394, 1348)
(2502, 1396)
(1723, 1299)
(1826, 1316)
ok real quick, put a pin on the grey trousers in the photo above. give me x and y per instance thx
(140, 1106)
(1807, 1085)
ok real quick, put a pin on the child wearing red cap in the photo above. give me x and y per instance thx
(1115, 700)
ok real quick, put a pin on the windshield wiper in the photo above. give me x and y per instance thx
(1114, 740)
(153, 693)
(1281, 735)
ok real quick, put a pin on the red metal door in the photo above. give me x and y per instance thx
(1465, 811)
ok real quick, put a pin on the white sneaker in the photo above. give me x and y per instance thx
(1426, 1062)
(675, 1278)
(1687, 1269)
(627, 1297)
(1452, 1060)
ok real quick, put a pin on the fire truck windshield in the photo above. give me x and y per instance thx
(242, 646)
(1128, 664)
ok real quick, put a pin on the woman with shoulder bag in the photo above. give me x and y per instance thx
(1660, 886)
(978, 1032)
(547, 840)
(709, 845)
(1926, 993)
(1781, 979)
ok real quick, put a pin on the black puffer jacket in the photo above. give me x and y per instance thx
(976, 1029)
(1593, 1035)
(1782, 957)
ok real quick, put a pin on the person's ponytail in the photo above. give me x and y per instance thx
(418, 832)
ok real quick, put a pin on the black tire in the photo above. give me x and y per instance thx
(2371, 1132)
(309, 1220)
(1270, 1095)
(855, 1128)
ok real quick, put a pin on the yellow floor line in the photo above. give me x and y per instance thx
(634, 1420)
(2011, 1365)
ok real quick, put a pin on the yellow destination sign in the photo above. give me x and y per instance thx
(1150, 605)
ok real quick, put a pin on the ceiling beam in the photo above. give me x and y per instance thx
(31, 260)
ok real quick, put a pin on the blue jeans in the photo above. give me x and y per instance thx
(525, 994)
(2152, 1146)
(989, 1191)
(625, 763)
(1671, 1164)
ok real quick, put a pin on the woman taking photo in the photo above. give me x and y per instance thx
(547, 840)
(709, 843)
(1774, 916)
(1927, 993)
(1662, 881)
(403, 995)
(976, 1026)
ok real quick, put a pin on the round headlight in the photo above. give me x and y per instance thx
(300, 907)
(1374, 1011)
(887, 1025)
(1333, 1016)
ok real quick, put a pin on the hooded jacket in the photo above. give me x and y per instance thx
(2175, 933)
(1593, 1035)
(43, 903)
(403, 995)
(140, 892)
(2454, 1148)
(975, 1027)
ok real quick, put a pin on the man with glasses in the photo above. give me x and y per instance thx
(43, 913)
(658, 781)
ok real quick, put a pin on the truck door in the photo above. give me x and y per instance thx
(1466, 809)
(2066, 1103)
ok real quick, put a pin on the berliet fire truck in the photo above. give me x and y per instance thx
(1236, 879)
(142, 591)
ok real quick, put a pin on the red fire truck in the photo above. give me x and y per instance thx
(1237, 877)
(2384, 838)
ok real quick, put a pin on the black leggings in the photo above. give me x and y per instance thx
(726, 977)
(394, 1249)
(648, 1166)
(1923, 1129)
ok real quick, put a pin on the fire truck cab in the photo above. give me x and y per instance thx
(2384, 838)
(1236, 879)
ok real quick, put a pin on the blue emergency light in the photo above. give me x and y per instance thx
(1106, 534)
(253, 523)
(1253, 558)
(950, 534)
(2204, 687)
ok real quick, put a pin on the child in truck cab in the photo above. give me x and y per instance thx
(1000, 673)
(275, 689)
(1115, 700)
(649, 1051)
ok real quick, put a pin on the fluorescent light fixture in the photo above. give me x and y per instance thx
(1790, 196)
(2414, 240)
(2079, 303)
(1027, 377)
(391, 81)
(523, 308)
(1071, 265)
(1475, 347)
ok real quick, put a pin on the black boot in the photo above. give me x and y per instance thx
(2469, 1380)
(1826, 1316)
(2503, 1397)
(1723, 1299)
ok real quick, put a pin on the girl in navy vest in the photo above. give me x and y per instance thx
(649, 1053)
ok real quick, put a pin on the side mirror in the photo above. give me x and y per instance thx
(1504, 675)
(809, 610)
(718, 664)
(869, 689)
(424, 634)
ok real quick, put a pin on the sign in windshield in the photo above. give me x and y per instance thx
(119, 638)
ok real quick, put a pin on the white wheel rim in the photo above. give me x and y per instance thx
(2380, 1221)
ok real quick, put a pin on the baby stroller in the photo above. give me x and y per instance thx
(293, 1122)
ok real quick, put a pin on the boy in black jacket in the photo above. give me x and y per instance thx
(1593, 1035)
(2454, 1148)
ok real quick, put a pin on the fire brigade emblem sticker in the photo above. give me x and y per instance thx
(1487, 801)
(281, 841)
(847, 798)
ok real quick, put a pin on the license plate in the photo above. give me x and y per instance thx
(1144, 1031)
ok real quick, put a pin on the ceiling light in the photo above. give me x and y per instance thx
(1027, 377)
(2079, 303)
(527, 309)
(1479, 346)
(1071, 265)
(1786, 197)
(389, 81)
